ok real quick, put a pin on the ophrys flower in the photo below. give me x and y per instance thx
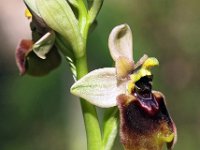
(145, 123)
(39, 55)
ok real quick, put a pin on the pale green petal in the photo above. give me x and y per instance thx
(110, 127)
(99, 87)
(120, 42)
(44, 45)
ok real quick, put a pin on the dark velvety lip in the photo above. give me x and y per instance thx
(148, 104)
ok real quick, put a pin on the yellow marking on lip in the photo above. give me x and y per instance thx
(130, 86)
(165, 138)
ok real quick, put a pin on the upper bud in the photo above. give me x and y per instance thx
(59, 16)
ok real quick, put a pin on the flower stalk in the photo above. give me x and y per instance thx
(89, 111)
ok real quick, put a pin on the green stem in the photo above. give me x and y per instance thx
(93, 132)
(83, 23)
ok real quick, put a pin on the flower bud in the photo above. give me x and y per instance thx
(59, 16)
(37, 56)
(28, 62)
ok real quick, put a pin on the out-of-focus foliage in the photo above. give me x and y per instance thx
(40, 114)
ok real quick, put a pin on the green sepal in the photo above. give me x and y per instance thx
(99, 87)
(74, 3)
(94, 8)
(59, 16)
(110, 127)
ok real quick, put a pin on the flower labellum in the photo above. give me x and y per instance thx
(145, 123)
(144, 120)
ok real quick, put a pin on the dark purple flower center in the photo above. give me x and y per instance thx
(143, 91)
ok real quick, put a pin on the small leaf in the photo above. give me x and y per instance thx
(110, 127)
(99, 87)
(120, 42)
(44, 44)
(73, 2)
(94, 8)
(58, 15)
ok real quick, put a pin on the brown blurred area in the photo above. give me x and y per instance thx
(41, 114)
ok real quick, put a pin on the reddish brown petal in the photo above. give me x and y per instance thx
(22, 51)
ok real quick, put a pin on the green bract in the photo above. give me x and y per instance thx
(94, 7)
(59, 16)
(110, 127)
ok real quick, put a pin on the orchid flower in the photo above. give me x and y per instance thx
(56, 25)
(145, 123)
(39, 55)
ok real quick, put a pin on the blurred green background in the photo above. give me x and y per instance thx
(41, 114)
